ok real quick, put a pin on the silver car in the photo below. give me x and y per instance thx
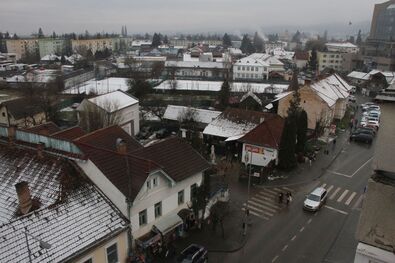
(315, 199)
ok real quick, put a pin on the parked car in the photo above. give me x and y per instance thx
(361, 137)
(366, 130)
(315, 199)
(145, 132)
(193, 254)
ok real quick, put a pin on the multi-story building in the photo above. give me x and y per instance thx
(93, 44)
(342, 47)
(378, 52)
(250, 69)
(197, 69)
(22, 47)
(50, 46)
(332, 60)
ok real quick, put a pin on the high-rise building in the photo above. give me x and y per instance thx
(378, 52)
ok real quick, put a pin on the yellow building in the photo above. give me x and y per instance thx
(323, 101)
(21, 47)
(332, 60)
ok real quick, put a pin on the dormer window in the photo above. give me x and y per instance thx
(149, 184)
(155, 181)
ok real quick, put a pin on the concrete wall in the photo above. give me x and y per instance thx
(99, 254)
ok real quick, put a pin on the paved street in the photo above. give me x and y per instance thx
(289, 234)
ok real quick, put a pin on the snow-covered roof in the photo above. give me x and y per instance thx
(194, 64)
(175, 113)
(99, 86)
(114, 101)
(235, 51)
(250, 61)
(234, 122)
(390, 76)
(252, 95)
(280, 53)
(216, 86)
(359, 75)
(72, 215)
(331, 89)
(51, 57)
(137, 43)
(343, 45)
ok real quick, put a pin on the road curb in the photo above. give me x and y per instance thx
(323, 170)
(229, 250)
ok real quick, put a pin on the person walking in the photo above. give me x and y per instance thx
(280, 198)
(289, 198)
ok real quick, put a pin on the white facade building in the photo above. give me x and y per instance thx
(250, 69)
(50, 46)
(342, 47)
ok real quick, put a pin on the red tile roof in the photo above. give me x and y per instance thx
(106, 138)
(69, 134)
(178, 159)
(301, 55)
(114, 166)
(44, 129)
(267, 134)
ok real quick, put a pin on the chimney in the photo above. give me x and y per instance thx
(40, 150)
(121, 146)
(11, 133)
(262, 119)
(25, 200)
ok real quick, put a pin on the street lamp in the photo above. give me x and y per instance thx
(247, 211)
(43, 244)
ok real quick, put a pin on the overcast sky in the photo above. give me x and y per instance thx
(26, 16)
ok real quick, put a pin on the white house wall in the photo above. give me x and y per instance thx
(147, 199)
(129, 114)
(105, 185)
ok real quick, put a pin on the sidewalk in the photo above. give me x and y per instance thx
(305, 173)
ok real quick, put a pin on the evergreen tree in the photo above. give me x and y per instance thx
(226, 41)
(246, 45)
(286, 155)
(325, 38)
(122, 31)
(40, 33)
(63, 60)
(301, 132)
(165, 40)
(156, 41)
(313, 62)
(224, 94)
(294, 104)
(126, 31)
(258, 43)
(296, 38)
(54, 35)
(359, 38)
(1, 36)
(7, 35)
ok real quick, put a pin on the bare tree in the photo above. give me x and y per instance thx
(93, 117)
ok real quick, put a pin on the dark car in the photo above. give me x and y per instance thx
(193, 254)
(366, 131)
(145, 132)
(361, 137)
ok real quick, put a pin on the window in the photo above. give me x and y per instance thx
(158, 209)
(181, 197)
(112, 253)
(193, 191)
(149, 184)
(155, 181)
(243, 68)
(238, 68)
(324, 56)
(324, 61)
(143, 217)
(3, 114)
(256, 68)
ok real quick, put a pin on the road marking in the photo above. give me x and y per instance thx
(301, 230)
(261, 207)
(284, 248)
(263, 204)
(275, 258)
(323, 185)
(337, 173)
(334, 193)
(337, 210)
(288, 189)
(308, 222)
(358, 202)
(293, 238)
(342, 196)
(362, 166)
(348, 202)
(256, 214)
(329, 189)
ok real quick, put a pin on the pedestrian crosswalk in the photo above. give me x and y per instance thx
(264, 204)
(344, 196)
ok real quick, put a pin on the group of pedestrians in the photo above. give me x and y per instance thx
(288, 198)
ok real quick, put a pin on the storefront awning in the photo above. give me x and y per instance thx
(168, 223)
